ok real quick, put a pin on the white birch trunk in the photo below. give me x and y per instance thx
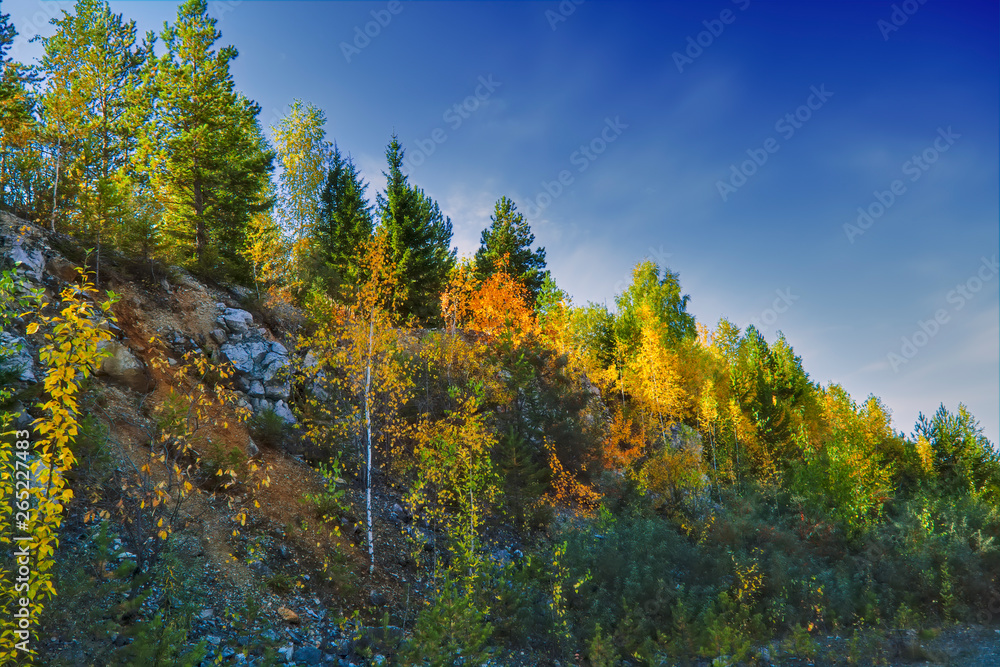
(368, 424)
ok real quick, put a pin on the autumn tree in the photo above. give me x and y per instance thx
(961, 458)
(303, 154)
(359, 384)
(269, 253)
(20, 162)
(90, 68)
(664, 301)
(419, 239)
(848, 472)
(506, 246)
(71, 328)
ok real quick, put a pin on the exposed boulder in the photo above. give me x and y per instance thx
(239, 357)
(258, 362)
(15, 357)
(123, 367)
(31, 259)
(282, 410)
(62, 269)
(236, 320)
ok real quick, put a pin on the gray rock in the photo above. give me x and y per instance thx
(256, 388)
(31, 260)
(277, 392)
(272, 365)
(241, 292)
(252, 448)
(238, 357)
(308, 655)
(283, 411)
(123, 367)
(278, 348)
(257, 350)
(16, 358)
(236, 320)
(213, 640)
(218, 335)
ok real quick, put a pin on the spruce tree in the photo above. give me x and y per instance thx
(345, 225)
(209, 159)
(508, 239)
(419, 240)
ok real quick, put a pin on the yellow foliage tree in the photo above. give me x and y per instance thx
(497, 307)
(72, 329)
(353, 365)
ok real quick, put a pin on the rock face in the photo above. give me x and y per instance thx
(258, 362)
(15, 357)
(123, 367)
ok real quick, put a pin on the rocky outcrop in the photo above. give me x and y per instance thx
(15, 358)
(124, 367)
(260, 364)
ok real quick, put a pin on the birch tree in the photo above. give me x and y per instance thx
(360, 382)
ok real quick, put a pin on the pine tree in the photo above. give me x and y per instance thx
(419, 240)
(508, 241)
(90, 67)
(209, 161)
(345, 225)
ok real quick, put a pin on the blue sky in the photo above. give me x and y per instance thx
(731, 141)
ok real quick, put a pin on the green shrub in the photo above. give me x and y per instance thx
(329, 503)
(452, 626)
(268, 428)
(280, 583)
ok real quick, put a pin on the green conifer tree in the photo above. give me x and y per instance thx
(509, 236)
(345, 224)
(209, 160)
(419, 240)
